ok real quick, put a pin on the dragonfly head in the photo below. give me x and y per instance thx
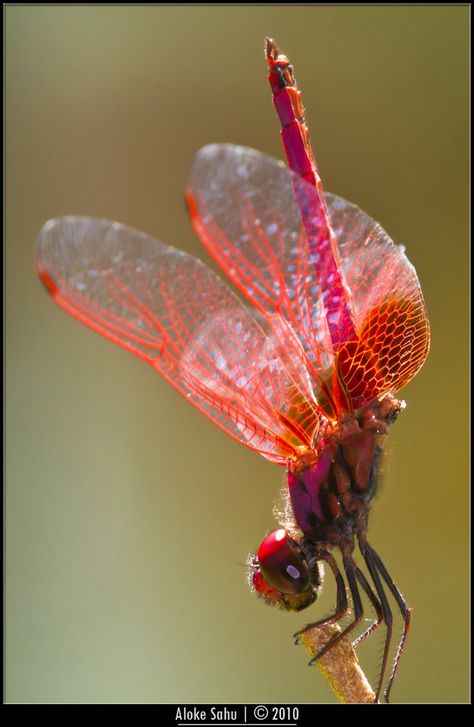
(280, 573)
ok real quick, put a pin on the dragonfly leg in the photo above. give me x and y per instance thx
(341, 597)
(349, 568)
(368, 555)
(406, 615)
(358, 609)
(375, 603)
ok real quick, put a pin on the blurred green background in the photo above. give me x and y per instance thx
(128, 514)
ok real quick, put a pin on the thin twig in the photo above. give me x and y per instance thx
(340, 665)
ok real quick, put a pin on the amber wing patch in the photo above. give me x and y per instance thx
(392, 346)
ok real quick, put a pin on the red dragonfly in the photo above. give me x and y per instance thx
(306, 374)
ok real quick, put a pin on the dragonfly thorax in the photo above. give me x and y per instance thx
(328, 503)
(330, 497)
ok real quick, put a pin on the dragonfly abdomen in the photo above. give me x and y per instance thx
(321, 248)
(287, 102)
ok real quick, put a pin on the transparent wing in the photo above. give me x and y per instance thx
(393, 328)
(244, 209)
(173, 312)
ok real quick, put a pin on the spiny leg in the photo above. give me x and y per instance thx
(406, 614)
(341, 596)
(375, 603)
(386, 611)
(358, 610)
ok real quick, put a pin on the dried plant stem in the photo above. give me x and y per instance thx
(340, 666)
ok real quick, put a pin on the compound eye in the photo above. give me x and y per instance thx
(282, 565)
(261, 587)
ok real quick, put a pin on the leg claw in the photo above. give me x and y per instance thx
(297, 637)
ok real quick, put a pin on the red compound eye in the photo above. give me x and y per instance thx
(282, 565)
(263, 589)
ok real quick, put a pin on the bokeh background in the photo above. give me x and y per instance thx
(128, 514)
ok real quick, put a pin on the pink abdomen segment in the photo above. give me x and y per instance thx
(322, 250)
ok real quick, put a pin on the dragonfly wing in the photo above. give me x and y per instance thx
(244, 208)
(392, 322)
(173, 312)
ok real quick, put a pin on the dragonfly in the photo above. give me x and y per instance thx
(301, 364)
